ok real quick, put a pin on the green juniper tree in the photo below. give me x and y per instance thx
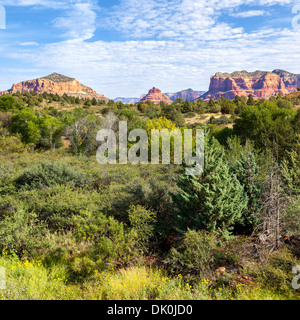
(246, 170)
(214, 200)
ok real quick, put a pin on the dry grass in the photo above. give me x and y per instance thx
(204, 118)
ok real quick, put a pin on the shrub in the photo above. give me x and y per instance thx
(276, 273)
(111, 245)
(58, 205)
(11, 144)
(142, 221)
(195, 257)
(50, 173)
(220, 121)
(7, 102)
(214, 108)
(21, 231)
(190, 114)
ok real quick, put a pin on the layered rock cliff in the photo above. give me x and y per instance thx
(261, 84)
(56, 84)
(291, 80)
(155, 96)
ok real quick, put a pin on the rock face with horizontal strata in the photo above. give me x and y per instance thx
(261, 84)
(154, 95)
(56, 84)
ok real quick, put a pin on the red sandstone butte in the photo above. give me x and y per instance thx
(154, 95)
(56, 84)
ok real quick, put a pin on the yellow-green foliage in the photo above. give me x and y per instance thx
(26, 280)
(138, 283)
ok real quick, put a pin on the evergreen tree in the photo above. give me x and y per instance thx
(213, 201)
(247, 172)
(290, 171)
(187, 107)
(250, 101)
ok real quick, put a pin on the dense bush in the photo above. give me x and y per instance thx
(195, 257)
(21, 231)
(276, 272)
(57, 206)
(142, 222)
(48, 173)
(7, 103)
(11, 144)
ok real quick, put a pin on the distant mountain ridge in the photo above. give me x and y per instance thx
(188, 94)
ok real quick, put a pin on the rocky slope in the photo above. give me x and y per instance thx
(57, 84)
(291, 80)
(261, 84)
(155, 96)
(294, 94)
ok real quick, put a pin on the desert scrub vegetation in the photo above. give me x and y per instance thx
(35, 279)
(72, 229)
(50, 173)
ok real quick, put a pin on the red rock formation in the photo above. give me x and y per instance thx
(261, 84)
(56, 84)
(291, 80)
(155, 96)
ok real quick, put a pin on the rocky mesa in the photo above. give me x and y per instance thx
(154, 95)
(56, 84)
(261, 84)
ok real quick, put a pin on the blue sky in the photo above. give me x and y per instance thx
(125, 47)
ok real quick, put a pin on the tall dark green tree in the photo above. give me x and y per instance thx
(247, 172)
(214, 200)
(250, 101)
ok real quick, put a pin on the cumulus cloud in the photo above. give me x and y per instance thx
(79, 22)
(181, 19)
(77, 17)
(130, 68)
(170, 44)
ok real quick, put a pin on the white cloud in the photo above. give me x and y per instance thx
(28, 43)
(249, 13)
(40, 3)
(173, 45)
(77, 17)
(181, 19)
(130, 68)
(79, 22)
